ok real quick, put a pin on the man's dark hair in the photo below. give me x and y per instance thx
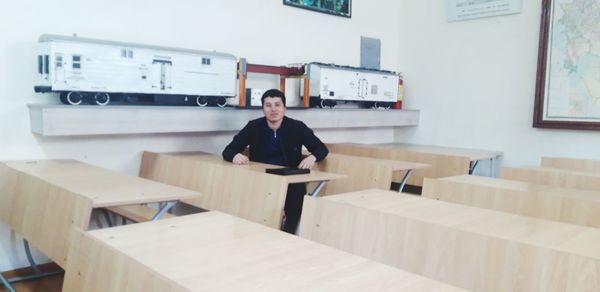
(272, 93)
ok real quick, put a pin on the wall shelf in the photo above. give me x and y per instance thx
(66, 120)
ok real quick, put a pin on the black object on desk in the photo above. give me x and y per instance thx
(287, 171)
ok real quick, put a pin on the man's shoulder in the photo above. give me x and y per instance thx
(257, 121)
(294, 123)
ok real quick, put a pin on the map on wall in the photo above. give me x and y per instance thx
(569, 84)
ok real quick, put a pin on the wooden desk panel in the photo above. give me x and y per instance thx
(441, 164)
(44, 200)
(540, 201)
(585, 165)
(472, 248)
(363, 172)
(212, 251)
(253, 195)
(472, 154)
(554, 177)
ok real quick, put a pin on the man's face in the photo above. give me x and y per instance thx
(274, 109)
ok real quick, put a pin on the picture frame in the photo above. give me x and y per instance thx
(334, 7)
(567, 91)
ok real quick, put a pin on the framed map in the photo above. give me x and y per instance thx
(335, 7)
(568, 75)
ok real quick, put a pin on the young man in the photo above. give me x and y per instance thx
(277, 139)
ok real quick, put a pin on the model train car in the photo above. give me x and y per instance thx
(98, 72)
(330, 84)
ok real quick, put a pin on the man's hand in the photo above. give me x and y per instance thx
(308, 162)
(240, 159)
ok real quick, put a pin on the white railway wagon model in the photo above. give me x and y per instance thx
(98, 72)
(331, 83)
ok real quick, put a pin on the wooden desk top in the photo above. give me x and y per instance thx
(563, 171)
(396, 165)
(520, 186)
(313, 176)
(104, 187)
(564, 237)
(213, 251)
(472, 154)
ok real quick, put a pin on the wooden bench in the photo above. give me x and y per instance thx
(541, 201)
(213, 251)
(137, 213)
(585, 165)
(472, 248)
(363, 172)
(444, 161)
(554, 177)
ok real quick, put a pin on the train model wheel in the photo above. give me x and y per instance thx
(74, 98)
(202, 101)
(327, 103)
(221, 101)
(102, 98)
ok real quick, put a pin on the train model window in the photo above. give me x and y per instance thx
(46, 64)
(40, 64)
(59, 61)
(76, 62)
(205, 61)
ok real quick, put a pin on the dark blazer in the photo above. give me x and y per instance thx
(294, 134)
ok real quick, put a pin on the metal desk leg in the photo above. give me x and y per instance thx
(164, 209)
(405, 179)
(37, 274)
(32, 263)
(314, 194)
(107, 217)
(472, 166)
(6, 283)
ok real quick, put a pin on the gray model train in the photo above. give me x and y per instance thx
(101, 72)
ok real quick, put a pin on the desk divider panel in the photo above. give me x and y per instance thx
(586, 165)
(213, 251)
(441, 165)
(26, 204)
(363, 173)
(94, 266)
(236, 190)
(472, 248)
(540, 201)
(554, 177)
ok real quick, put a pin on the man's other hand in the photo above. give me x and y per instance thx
(308, 162)
(240, 159)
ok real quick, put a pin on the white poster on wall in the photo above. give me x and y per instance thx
(469, 9)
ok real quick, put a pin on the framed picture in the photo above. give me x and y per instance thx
(567, 94)
(335, 7)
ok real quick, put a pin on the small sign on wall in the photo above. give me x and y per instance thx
(469, 9)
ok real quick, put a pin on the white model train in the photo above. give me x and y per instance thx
(331, 83)
(101, 72)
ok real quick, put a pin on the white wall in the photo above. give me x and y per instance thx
(474, 82)
(263, 31)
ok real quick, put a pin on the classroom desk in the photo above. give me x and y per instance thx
(245, 191)
(541, 201)
(365, 172)
(213, 251)
(471, 248)
(554, 176)
(44, 200)
(585, 165)
(444, 161)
